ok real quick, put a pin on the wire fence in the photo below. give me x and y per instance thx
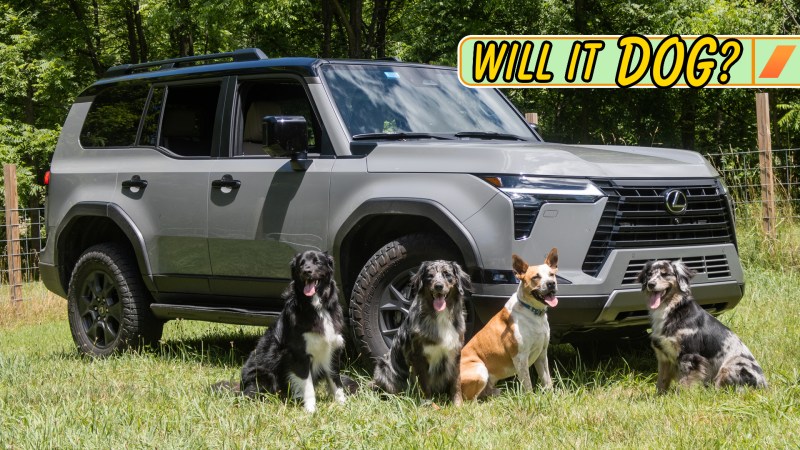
(742, 174)
(31, 241)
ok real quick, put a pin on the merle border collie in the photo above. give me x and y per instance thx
(303, 346)
(691, 345)
(430, 339)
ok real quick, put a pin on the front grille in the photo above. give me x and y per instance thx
(635, 216)
(524, 217)
(713, 267)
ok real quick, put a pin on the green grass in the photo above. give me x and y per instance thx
(51, 397)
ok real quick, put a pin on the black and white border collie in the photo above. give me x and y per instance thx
(303, 346)
(691, 345)
(431, 337)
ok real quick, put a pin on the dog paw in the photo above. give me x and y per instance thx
(339, 396)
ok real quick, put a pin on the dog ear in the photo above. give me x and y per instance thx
(642, 277)
(417, 279)
(329, 260)
(463, 279)
(552, 258)
(684, 274)
(519, 265)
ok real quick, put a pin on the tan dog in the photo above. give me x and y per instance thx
(516, 337)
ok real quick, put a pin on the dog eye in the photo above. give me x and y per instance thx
(537, 277)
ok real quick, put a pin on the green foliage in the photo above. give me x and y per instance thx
(30, 149)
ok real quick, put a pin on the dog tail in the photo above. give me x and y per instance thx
(225, 387)
(391, 372)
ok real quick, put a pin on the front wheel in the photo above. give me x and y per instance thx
(381, 295)
(108, 304)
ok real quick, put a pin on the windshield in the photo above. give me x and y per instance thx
(384, 101)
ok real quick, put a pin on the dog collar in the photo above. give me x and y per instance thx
(536, 311)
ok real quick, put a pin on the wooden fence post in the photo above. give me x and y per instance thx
(12, 232)
(532, 118)
(765, 164)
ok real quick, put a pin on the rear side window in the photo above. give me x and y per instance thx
(113, 119)
(187, 124)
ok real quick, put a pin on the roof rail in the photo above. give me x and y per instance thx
(244, 54)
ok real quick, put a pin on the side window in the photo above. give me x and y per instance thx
(113, 119)
(187, 125)
(258, 99)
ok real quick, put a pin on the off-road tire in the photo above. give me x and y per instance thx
(108, 305)
(392, 264)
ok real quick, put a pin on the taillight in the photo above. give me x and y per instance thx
(47, 178)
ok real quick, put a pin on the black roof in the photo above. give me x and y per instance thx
(243, 61)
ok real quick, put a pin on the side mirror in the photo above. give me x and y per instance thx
(287, 136)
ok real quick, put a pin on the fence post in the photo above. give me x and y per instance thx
(765, 164)
(12, 232)
(532, 118)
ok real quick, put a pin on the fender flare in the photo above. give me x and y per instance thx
(428, 209)
(121, 219)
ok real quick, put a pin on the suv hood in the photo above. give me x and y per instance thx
(496, 157)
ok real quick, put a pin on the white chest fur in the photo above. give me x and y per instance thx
(321, 346)
(449, 341)
(532, 332)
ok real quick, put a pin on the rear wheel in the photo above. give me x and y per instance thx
(381, 295)
(108, 304)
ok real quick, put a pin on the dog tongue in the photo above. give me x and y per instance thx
(655, 300)
(439, 303)
(310, 289)
(551, 300)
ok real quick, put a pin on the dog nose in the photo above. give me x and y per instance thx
(439, 287)
(551, 285)
(651, 285)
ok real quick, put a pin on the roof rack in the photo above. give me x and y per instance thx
(244, 54)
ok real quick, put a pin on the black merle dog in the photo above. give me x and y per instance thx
(430, 339)
(691, 345)
(304, 344)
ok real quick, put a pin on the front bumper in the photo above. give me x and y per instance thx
(613, 299)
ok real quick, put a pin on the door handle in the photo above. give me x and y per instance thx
(226, 181)
(135, 181)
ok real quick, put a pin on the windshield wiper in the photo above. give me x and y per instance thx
(490, 135)
(398, 136)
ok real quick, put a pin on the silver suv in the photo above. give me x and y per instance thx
(182, 188)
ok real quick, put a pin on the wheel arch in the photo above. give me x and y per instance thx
(90, 223)
(378, 221)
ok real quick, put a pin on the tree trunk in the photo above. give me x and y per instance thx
(137, 15)
(377, 38)
(688, 117)
(356, 22)
(89, 36)
(181, 33)
(348, 27)
(579, 16)
(133, 44)
(327, 24)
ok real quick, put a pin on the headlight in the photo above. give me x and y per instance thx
(528, 194)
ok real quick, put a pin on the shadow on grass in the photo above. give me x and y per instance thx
(217, 349)
(587, 368)
(569, 368)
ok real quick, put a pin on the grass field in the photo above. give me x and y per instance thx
(51, 397)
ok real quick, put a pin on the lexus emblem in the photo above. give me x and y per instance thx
(675, 202)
